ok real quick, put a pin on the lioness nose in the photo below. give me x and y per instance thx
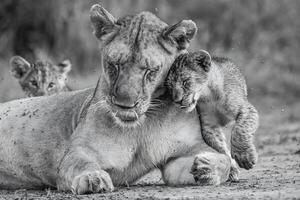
(123, 104)
(125, 98)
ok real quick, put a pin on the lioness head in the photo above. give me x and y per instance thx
(137, 53)
(188, 78)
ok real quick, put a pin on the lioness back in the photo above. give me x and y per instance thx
(33, 135)
(41, 78)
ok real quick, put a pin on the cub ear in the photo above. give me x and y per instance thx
(181, 33)
(64, 67)
(19, 66)
(103, 22)
(203, 58)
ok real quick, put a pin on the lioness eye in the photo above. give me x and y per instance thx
(51, 85)
(34, 83)
(112, 70)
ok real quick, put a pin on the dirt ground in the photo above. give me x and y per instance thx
(276, 176)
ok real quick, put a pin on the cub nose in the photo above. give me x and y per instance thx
(124, 97)
(41, 93)
(177, 96)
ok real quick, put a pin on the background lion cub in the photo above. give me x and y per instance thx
(216, 86)
(40, 78)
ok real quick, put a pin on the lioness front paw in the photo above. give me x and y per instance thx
(92, 182)
(234, 172)
(246, 158)
(206, 170)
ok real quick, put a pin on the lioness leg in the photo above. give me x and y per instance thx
(242, 147)
(214, 137)
(79, 174)
(206, 168)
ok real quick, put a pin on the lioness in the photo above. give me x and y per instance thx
(40, 78)
(92, 140)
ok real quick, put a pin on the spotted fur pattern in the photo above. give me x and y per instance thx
(40, 78)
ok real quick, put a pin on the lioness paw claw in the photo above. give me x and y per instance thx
(234, 172)
(92, 182)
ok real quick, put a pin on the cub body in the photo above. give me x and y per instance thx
(216, 87)
(40, 78)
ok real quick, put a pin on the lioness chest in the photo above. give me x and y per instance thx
(128, 154)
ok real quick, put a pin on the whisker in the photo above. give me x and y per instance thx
(136, 115)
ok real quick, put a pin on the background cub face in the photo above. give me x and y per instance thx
(187, 77)
(41, 78)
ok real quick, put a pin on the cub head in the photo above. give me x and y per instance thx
(40, 78)
(137, 52)
(188, 77)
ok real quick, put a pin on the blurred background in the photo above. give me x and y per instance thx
(261, 36)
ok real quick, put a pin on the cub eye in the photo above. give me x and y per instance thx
(33, 83)
(151, 74)
(112, 70)
(51, 85)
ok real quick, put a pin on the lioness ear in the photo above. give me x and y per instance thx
(64, 67)
(19, 66)
(203, 59)
(181, 33)
(103, 22)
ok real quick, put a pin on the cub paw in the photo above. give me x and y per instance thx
(203, 171)
(92, 182)
(246, 158)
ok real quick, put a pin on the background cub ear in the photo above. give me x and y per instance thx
(103, 22)
(64, 67)
(19, 66)
(181, 33)
(204, 59)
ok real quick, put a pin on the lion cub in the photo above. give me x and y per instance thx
(216, 86)
(40, 78)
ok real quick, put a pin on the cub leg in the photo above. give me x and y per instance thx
(206, 168)
(214, 137)
(80, 174)
(242, 147)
